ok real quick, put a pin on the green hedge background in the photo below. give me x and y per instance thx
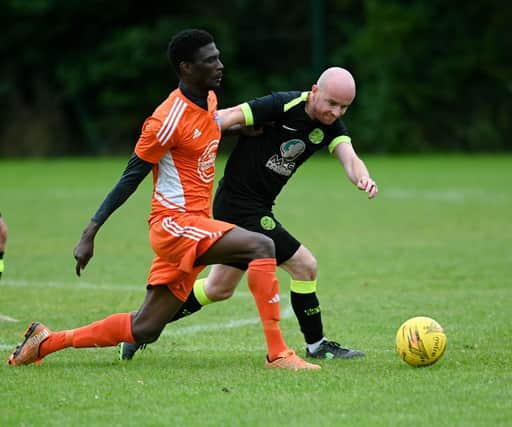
(79, 77)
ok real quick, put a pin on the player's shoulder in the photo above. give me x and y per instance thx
(289, 96)
(176, 103)
(167, 114)
(177, 109)
(290, 100)
(279, 97)
(337, 128)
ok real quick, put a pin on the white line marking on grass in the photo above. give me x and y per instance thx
(455, 195)
(207, 327)
(4, 318)
(72, 285)
(87, 285)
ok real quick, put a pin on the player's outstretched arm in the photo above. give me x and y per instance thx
(231, 117)
(133, 175)
(355, 169)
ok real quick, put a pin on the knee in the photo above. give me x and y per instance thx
(222, 282)
(303, 268)
(307, 269)
(311, 269)
(145, 332)
(220, 294)
(220, 287)
(262, 246)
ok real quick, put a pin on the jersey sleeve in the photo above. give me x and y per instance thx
(262, 110)
(338, 134)
(149, 147)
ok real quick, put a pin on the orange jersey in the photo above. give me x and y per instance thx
(181, 139)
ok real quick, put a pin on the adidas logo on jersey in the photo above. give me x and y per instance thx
(274, 300)
(197, 134)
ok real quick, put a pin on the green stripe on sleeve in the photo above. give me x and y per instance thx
(337, 141)
(303, 97)
(246, 110)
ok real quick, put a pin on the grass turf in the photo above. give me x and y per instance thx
(437, 241)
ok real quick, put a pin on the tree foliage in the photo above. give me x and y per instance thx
(80, 77)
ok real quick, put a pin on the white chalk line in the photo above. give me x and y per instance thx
(4, 318)
(286, 312)
(88, 285)
(71, 285)
(448, 195)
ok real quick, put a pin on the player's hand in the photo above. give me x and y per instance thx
(368, 185)
(84, 250)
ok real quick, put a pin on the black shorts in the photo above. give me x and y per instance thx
(259, 219)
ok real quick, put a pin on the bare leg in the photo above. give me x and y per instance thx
(222, 281)
(158, 308)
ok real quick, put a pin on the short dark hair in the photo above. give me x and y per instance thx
(185, 44)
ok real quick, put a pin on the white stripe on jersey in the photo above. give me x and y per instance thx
(171, 121)
(166, 121)
(168, 184)
(188, 231)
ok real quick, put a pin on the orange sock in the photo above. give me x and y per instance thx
(103, 333)
(264, 286)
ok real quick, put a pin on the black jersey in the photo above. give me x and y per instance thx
(261, 165)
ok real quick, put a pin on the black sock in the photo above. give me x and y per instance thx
(307, 310)
(190, 306)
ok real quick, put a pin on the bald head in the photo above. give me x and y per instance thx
(338, 83)
(331, 96)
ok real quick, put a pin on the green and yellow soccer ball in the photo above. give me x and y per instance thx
(421, 341)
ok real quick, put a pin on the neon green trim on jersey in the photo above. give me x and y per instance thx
(303, 286)
(247, 112)
(200, 294)
(2, 265)
(303, 97)
(337, 141)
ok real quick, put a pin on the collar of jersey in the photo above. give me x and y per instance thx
(198, 100)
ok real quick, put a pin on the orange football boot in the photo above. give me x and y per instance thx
(289, 360)
(28, 351)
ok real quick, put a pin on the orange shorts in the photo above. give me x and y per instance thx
(178, 240)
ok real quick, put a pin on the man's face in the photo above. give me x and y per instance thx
(328, 105)
(206, 70)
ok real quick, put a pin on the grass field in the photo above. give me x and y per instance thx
(437, 241)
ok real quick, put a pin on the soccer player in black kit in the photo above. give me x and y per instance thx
(295, 126)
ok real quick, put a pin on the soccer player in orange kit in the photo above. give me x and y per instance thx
(295, 125)
(179, 144)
